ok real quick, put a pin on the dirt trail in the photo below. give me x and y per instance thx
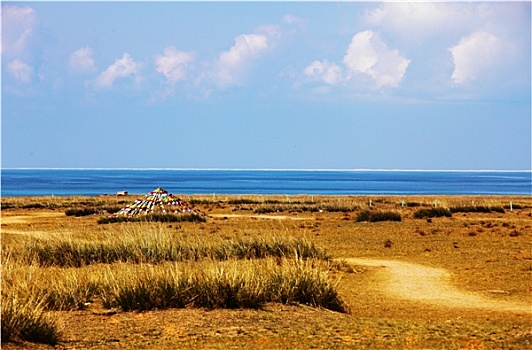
(431, 285)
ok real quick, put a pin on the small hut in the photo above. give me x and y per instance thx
(157, 202)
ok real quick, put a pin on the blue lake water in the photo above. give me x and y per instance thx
(37, 182)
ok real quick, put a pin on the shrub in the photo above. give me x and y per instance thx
(432, 213)
(81, 212)
(515, 206)
(378, 215)
(111, 209)
(476, 209)
(153, 218)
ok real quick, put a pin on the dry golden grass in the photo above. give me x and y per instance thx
(488, 254)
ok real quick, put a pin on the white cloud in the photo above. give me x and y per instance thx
(329, 73)
(416, 20)
(81, 60)
(368, 54)
(474, 55)
(247, 47)
(18, 25)
(291, 19)
(20, 70)
(173, 64)
(123, 67)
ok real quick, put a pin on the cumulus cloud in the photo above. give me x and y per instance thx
(368, 54)
(173, 64)
(325, 71)
(81, 60)
(123, 67)
(417, 20)
(18, 25)
(474, 55)
(20, 70)
(232, 63)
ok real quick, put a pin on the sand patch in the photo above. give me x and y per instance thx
(24, 219)
(431, 285)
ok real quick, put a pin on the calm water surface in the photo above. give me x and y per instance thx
(36, 182)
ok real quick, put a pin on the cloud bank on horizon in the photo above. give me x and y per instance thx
(406, 52)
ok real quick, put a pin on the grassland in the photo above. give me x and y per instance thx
(270, 272)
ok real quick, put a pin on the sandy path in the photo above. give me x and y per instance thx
(431, 285)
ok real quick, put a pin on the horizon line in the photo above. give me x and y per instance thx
(282, 169)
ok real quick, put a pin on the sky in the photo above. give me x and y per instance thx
(254, 85)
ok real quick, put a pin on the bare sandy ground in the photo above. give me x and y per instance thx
(31, 217)
(431, 285)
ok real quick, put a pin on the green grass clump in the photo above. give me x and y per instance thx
(432, 213)
(377, 215)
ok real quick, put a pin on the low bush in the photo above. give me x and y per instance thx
(153, 218)
(378, 215)
(81, 212)
(515, 206)
(476, 209)
(432, 213)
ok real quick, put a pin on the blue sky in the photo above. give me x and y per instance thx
(345, 85)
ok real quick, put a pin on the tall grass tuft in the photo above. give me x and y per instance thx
(432, 213)
(157, 246)
(230, 284)
(476, 209)
(378, 215)
(22, 311)
(81, 211)
(25, 319)
(153, 218)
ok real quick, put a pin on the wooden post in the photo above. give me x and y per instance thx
(511, 206)
(403, 202)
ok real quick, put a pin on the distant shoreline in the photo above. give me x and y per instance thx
(281, 169)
